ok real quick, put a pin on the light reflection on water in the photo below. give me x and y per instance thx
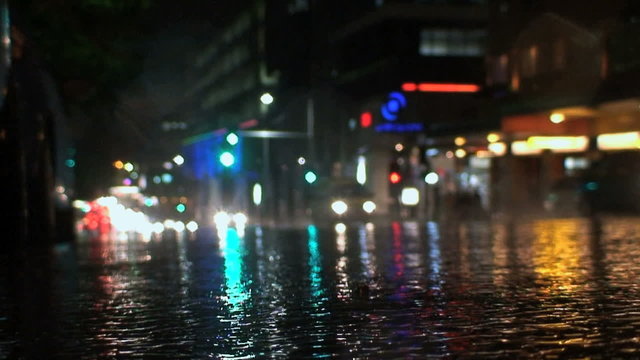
(504, 289)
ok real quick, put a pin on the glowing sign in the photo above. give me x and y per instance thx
(391, 127)
(619, 141)
(559, 143)
(441, 87)
(394, 104)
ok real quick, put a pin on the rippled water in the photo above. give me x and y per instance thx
(548, 288)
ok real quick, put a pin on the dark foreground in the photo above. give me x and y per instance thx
(567, 288)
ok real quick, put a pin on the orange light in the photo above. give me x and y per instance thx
(394, 177)
(409, 87)
(118, 165)
(451, 88)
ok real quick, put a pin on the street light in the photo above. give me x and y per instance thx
(178, 159)
(266, 98)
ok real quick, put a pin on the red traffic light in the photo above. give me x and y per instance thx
(366, 119)
(394, 177)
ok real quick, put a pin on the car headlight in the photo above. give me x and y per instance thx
(410, 196)
(240, 219)
(369, 206)
(339, 207)
(222, 219)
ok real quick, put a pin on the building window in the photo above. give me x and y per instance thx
(451, 42)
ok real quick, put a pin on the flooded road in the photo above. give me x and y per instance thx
(548, 288)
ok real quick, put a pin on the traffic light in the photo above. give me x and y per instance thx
(230, 153)
(310, 177)
(395, 177)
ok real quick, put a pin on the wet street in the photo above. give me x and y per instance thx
(546, 288)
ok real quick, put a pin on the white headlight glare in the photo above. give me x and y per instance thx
(339, 207)
(369, 206)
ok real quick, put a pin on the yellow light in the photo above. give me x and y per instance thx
(484, 154)
(498, 148)
(559, 143)
(118, 165)
(128, 167)
(522, 147)
(459, 141)
(619, 141)
(493, 137)
(557, 118)
(460, 153)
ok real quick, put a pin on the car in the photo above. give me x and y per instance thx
(341, 200)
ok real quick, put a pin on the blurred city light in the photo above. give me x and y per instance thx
(522, 147)
(126, 182)
(178, 159)
(493, 137)
(498, 148)
(70, 163)
(192, 226)
(361, 171)
(557, 118)
(459, 141)
(369, 206)
(222, 219)
(232, 139)
(181, 208)
(179, 226)
(441, 87)
(167, 165)
(128, 167)
(366, 119)
(410, 196)
(266, 99)
(619, 141)
(399, 147)
(157, 179)
(118, 165)
(167, 178)
(460, 153)
(432, 152)
(310, 177)
(559, 143)
(341, 228)
(431, 178)
(227, 159)
(395, 177)
(339, 207)
(257, 194)
(169, 224)
(240, 219)
(157, 227)
(301, 160)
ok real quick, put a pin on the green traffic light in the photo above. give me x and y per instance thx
(310, 177)
(232, 139)
(227, 159)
